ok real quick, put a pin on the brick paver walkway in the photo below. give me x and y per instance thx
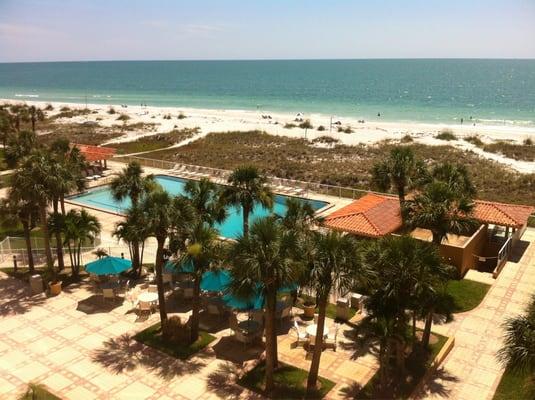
(471, 371)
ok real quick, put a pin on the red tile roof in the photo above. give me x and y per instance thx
(95, 153)
(372, 215)
(375, 215)
(502, 214)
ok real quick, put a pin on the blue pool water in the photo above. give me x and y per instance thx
(232, 227)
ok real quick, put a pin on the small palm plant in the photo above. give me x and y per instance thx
(80, 227)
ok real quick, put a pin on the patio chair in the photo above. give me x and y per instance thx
(330, 340)
(153, 288)
(108, 294)
(302, 337)
(145, 306)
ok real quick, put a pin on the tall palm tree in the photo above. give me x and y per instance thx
(299, 215)
(19, 208)
(35, 114)
(202, 249)
(457, 178)
(130, 183)
(204, 197)
(33, 177)
(133, 230)
(162, 215)
(441, 209)
(79, 227)
(247, 187)
(399, 172)
(518, 351)
(18, 146)
(333, 264)
(265, 260)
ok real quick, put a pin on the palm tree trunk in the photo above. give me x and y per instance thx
(414, 326)
(135, 256)
(246, 212)
(62, 203)
(27, 239)
(318, 348)
(159, 280)
(195, 309)
(271, 347)
(59, 242)
(71, 256)
(427, 329)
(46, 237)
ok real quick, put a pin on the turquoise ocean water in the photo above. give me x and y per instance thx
(491, 91)
(232, 227)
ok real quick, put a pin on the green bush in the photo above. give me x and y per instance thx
(321, 128)
(123, 117)
(446, 134)
(289, 125)
(347, 129)
(475, 140)
(181, 116)
(306, 125)
(64, 108)
(528, 142)
(407, 139)
(111, 110)
(49, 107)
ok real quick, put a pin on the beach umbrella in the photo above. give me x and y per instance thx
(255, 302)
(292, 287)
(108, 266)
(215, 281)
(184, 268)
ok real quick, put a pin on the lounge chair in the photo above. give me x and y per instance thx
(330, 340)
(302, 337)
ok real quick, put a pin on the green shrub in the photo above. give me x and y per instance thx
(475, 140)
(167, 116)
(123, 117)
(407, 139)
(181, 116)
(528, 142)
(111, 110)
(289, 125)
(446, 134)
(49, 107)
(64, 109)
(347, 129)
(321, 128)
(326, 140)
(306, 125)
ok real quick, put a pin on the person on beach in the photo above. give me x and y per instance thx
(462, 120)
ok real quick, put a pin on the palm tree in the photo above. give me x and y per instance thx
(518, 351)
(332, 264)
(79, 227)
(265, 260)
(204, 197)
(19, 146)
(441, 209)
(247, 187)
(162, 214)
(399, 172)
(6, 125)
(131, 183)
(133, 230)
(35, 114)
(19, 208)
(33, 178)
(202, 249)
(456, 177)
(299, 215)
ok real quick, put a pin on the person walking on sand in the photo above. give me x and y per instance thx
(462, 120)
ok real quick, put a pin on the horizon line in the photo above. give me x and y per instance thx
(275, 59)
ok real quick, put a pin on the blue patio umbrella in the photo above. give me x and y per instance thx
(108, 266)
(184, 268)
(215, 281)
(256, 302)
(288, 288)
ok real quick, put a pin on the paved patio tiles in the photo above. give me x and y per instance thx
(81, 393)
(30, 372)
(57, 381)
(191, 388)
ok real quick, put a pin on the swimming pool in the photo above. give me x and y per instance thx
(232, 227)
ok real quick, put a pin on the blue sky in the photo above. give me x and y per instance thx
(57, 30)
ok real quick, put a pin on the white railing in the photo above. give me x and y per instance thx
(301, 187)
(503, 256)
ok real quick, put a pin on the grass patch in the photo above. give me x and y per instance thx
(519, 152)
(331, 307)
(475, 140)
(416, 363)
(5, 180)
(466, 294)
(290, 382)
(531, 221)
(152, 336)
(446, 135)
(289, 125)
(154, 142)
(343, 165)
(3, 165)
(38, 392)
(514, 385)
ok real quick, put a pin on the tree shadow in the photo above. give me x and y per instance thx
(518, 251)
(229, 349)
(223, 383)
(16, 299)
(124, 353)
(96, 304)
(350, 391)
(436, 386)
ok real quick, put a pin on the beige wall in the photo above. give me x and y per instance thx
(463, 256)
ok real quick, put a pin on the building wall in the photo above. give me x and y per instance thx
(463, 256)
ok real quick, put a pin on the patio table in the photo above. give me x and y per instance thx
(148, 297)
(311, 331)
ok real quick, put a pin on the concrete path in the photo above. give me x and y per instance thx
(471, 371)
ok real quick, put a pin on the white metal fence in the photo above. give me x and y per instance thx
(300, 187)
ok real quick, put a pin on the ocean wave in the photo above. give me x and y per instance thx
(27, 95)
(505, 121)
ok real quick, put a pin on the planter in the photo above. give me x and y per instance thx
(55, 288)
(309, 310)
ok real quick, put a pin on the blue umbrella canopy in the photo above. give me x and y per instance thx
(108, 266)
(215, 281)
(185, 268)
(256, 302)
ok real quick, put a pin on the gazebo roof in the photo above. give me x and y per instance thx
(95, 153)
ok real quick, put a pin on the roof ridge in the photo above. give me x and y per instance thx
(494, 203)
(371, 223)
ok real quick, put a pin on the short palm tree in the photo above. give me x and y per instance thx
(130, 183)
(163, 214)
(247, 186)
(299, 215)
(80, 227)
(399, 172)
(18, 146)
(204, 197)
(265, 260)
(133, 231)
(333, 264)
(35, 114)
(518, 351)
(456, 177)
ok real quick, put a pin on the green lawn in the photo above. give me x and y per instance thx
(466, 294)
(514, 385)
(331, 308)
(152, 337)
(417, 365)
(290, 382)
(38, 392)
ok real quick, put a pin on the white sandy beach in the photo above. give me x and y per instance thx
(209, 120)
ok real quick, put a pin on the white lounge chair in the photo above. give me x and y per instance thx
(302, 337)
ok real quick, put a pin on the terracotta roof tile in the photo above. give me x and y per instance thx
(502, 214)
(95, 153)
